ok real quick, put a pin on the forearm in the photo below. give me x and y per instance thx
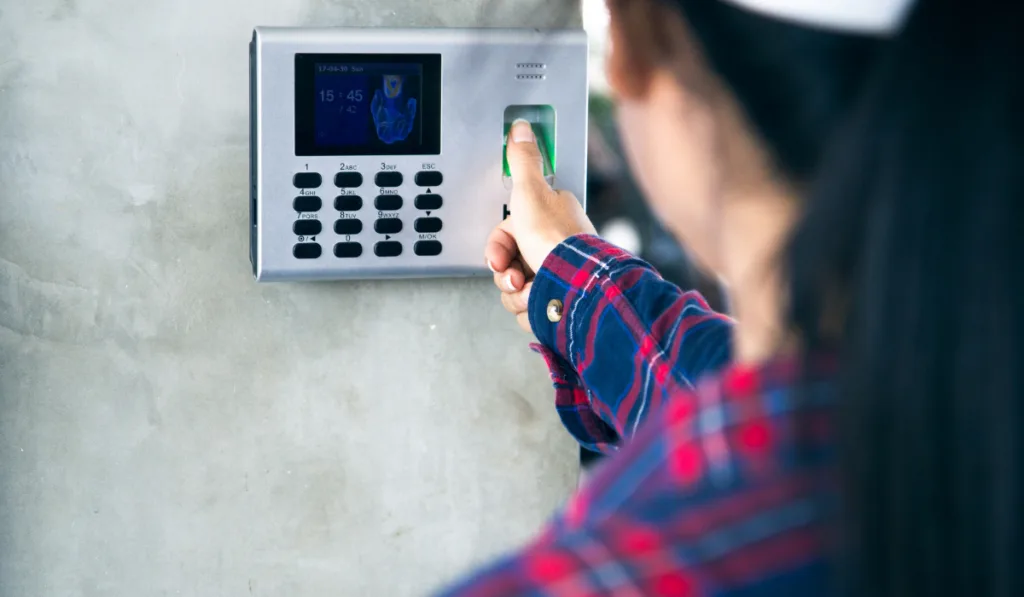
(619, 338)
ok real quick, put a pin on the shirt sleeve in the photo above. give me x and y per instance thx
(618, 339)
(710, 498)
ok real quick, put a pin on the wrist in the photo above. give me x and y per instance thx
(544, 250)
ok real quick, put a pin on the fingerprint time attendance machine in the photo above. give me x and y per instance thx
(379, 153)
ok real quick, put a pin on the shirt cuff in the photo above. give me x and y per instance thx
(573, 405)
(559, 311)
(558, 299)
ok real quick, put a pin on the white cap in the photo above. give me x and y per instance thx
(873, 17)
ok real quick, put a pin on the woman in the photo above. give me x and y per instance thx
(852, 172)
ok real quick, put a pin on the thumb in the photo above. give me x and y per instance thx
(524, 160)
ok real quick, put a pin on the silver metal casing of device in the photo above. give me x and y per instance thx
(483, 72)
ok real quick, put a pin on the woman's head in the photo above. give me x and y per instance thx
(903, 154)
(723, 111)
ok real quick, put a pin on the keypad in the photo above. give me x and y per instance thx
(348, 250)
(306, 251)
(348, 203)
(348, 180)
(387, 248)
(429, 201)
(307, 180)
(307, 203)
(348, 226)
(307, 227)
(427, 225)
(388, 202)
(388, 226)
(388, 179)
(427, 248)
(429, 179)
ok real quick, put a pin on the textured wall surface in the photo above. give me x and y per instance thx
(168, 427)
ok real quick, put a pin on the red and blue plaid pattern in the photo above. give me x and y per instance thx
(719, 484)
(627, 340)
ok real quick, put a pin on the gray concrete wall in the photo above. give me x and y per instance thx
(168, 427)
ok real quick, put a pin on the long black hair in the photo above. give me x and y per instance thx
(910, 149)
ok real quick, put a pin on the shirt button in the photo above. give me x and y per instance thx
(554, 310)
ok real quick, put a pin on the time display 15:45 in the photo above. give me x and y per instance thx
(355, 95)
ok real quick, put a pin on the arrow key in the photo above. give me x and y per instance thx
(427, 225)
(389, 248)
(429, 201)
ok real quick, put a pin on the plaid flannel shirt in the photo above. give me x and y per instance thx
(719, 484)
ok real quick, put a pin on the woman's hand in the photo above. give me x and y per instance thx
(540, 218)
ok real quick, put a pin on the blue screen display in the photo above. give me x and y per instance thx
(368, 107)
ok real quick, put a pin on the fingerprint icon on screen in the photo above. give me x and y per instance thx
(392, 116)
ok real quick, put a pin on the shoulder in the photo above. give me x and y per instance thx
(735, 475)
(730, 484)
(750, 424)
(749, 433)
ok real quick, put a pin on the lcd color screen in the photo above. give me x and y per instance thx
(368, 104)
